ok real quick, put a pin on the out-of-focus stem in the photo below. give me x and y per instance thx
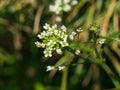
(107, 18)
(75, 11)
(114, 60)
(116, 22)
(37, 20)
(116, 29)
(90, 15)
(65, 71)
(64, 79)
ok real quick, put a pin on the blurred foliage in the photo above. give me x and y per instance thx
(22, 65)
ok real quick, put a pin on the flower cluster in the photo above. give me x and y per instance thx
(73, 33)
(79, 29)
(53, 39)
(62, 5)
(60, 68)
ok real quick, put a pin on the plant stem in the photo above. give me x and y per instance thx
(64, 79)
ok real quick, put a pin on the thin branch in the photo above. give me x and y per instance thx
(37, 20)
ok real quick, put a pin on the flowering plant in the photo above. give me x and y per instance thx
(86, 45)
(57, 39)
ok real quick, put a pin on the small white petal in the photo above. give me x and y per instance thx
(59, 51)
(42, 35)
(71, 37)
(79, 30)
(38, 44)
(73, 33)
(67, 8)
(46, 26)
(57, 9)
(77, 52)
(102, 41)
(66, 1)
(54, 26)
(48, 52)
(58, 19)
(58, 2)
(61, 68)
(63, 43)
(51, 8)
(74, 2)
(63, 28)
(49, 68)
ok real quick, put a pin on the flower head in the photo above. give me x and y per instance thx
(62, 5)
(53, 39)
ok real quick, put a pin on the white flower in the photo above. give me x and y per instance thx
(51, 43)
(102, 41)
(64, 43)
(74, 2)
(48, 52)
(56, 32)
(58, 19)
(67, 8)
(66, 1)
(38, 44)
(49, 68)
(53, 39)
(77, 52)
(46, 26)
(59, 51)
(63, 35)
(42, 35)
(61, 68)
(73, 33)
(51, 7)
(55, 8)
(79, 30)
(54, 26)
(65, 39)
(71, 36)
(62, 5)
(58, 2)
(63, 28)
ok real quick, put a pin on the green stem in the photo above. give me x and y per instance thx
(64, 79)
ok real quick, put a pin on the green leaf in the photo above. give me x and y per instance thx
(114, 35)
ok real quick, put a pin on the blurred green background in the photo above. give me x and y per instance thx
(22, 65)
